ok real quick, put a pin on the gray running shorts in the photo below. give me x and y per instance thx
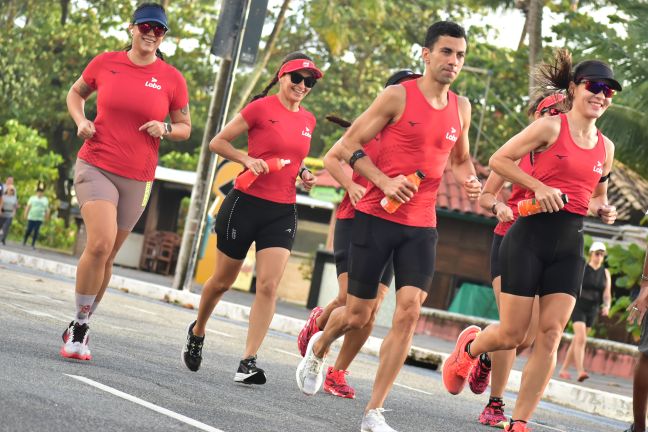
(128, 195)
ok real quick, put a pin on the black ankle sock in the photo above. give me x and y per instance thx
(495, 399)
(485, 359)
(517, 421)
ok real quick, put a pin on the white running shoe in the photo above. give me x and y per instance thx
(374, 421)
(76, 342)
(309, 373)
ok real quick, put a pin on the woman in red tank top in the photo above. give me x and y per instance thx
(501, 362)
(543, 254)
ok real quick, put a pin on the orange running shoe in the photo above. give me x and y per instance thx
(458, 366)
(336, 384)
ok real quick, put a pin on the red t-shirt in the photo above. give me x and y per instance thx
(345, 208)
(518, 193)
(421, 140)
(276, 132)
(572, 169)
(128, 96)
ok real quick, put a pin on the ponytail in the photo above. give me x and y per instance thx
(291, 56)
(338, 121)
(555, 76)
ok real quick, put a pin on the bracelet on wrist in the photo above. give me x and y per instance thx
(644, 277)
(301, 172)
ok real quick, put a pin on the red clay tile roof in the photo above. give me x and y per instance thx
(628, 192)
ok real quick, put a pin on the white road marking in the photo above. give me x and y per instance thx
(28, 294)
(545, 426)
(220, 333)
(287, 352)
(35, 313)
(140, 310)
(413, 389)
(149, 405)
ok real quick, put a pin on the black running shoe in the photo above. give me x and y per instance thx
(249, 373)
(192, 350)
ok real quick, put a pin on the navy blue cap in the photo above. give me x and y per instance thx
(151, 14)
(400, 75)
(595, 70)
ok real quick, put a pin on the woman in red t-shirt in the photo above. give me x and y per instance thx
(279, 132)
(542, 254)
(501, 362)
(136, 91)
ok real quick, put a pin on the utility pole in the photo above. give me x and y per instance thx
(233, 19)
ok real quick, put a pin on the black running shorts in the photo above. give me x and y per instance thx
(585, 311)
(374, 240)
(341, 245)
(543, 254)
(495, 268)
(243, 219)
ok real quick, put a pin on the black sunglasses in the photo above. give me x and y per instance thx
(296, 78)
(551, 110)
(597, 87)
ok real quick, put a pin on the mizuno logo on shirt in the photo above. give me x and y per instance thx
(561, 157)
(273, 121)
(306, 132)
(113, 71)
(153, 84)
(412, 123)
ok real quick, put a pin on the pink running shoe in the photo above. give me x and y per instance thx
(479, 377)
(493, 415)
(335, 384)
(310, 328)
(458, 366)
(518, 427)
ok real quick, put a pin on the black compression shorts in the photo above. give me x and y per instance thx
(374, 240)
(543, 254)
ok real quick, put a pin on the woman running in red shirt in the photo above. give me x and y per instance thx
(264, 213)
(501, 362)
(543, 254)
(335, 382)
(136, 91)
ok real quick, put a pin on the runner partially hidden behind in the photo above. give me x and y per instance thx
(421, 124)
(355, 186)
(542, 254)
(501, 362)
(263, 212)
(136, 91)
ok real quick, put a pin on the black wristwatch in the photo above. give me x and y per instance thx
(301, 171)
(494, 208)
(168, 128)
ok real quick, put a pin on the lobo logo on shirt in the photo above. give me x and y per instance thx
(306, 132)
(153, 84)
(451, 135)
(598, 168)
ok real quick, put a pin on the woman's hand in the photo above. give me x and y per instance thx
(308, 179)
(154, 128)
(256, 166)
(550, 199)
(503, 212)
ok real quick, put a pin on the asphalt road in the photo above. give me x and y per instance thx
(137, 381)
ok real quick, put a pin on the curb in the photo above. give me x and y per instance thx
(592, 401)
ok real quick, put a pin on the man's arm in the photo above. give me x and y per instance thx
(637, 308)
(386, 108)
(460, 160)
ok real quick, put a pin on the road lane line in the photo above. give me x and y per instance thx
(413, 389)
(140, 310)
(35, 313)
(220, 333)
(149, 405)
(287, 352)
(545, 426)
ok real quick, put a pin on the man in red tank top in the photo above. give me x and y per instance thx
(422, 125)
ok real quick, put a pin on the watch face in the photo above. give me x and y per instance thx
(167, 126)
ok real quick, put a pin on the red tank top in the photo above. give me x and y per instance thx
(421, 140)
(345, 208)
(572, 169)
(518, 193)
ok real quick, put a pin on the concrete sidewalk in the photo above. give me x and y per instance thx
(606, 396)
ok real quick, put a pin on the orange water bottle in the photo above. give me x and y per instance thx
(245, 180)
(391, 205)
(532, 206)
